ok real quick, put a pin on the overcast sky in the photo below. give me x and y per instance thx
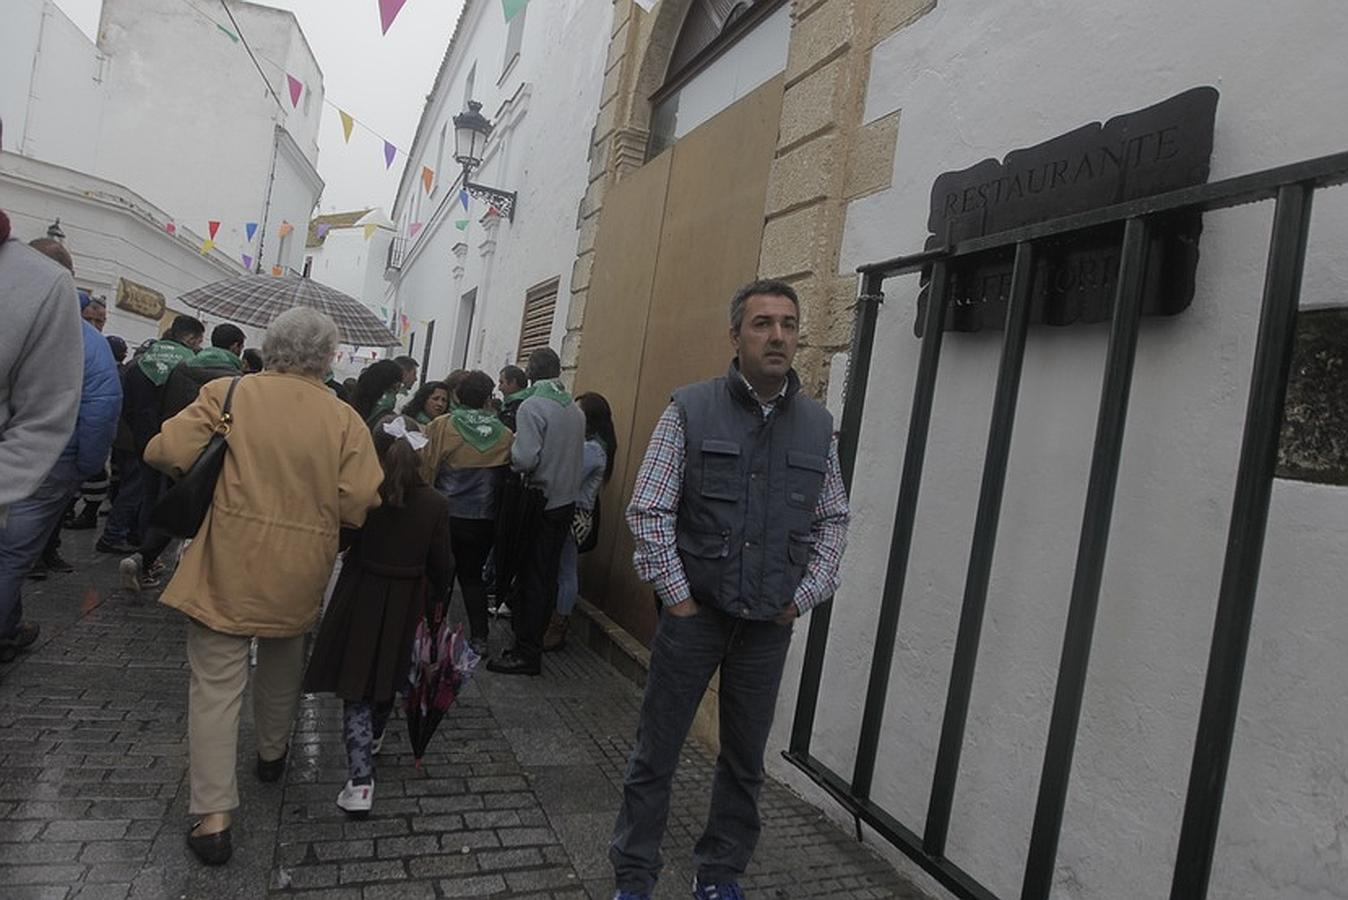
(382, 80)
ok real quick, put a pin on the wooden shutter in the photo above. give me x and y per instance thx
(540, 303)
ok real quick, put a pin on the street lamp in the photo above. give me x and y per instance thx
(471, 130)
(54, 231)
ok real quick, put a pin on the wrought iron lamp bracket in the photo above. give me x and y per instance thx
(504, 201)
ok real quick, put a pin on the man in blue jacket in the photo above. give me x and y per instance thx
(32, 520)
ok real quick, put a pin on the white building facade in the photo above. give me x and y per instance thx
(974, 81)
(169, 105)
(473, 289)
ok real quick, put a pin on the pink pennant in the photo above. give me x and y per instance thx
(389, 152)
(212, 226)
(388, 11)
(296, 88)
(170, 228)
(414, 229)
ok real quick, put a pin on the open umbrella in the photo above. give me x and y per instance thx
(257, 299)
(442, 663)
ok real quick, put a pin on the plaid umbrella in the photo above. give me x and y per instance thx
(257, 299)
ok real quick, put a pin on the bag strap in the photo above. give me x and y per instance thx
(226, 417)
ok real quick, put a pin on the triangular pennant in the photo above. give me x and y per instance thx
(277, 271)
(370, 229)
(463, 198)
(296, 88)
(249, 229)
(389, 151)
(171, 228)
(388, 11)
(322, 229)
(427, 178)
(247, 262)
(207, 246)
(512, 7)
(646, 5)
(285, 229)
(462, 224)
(212, 227)
(229, 34)
(347, 124)
(414, 229)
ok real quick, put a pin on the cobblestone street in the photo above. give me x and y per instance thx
(516, 796)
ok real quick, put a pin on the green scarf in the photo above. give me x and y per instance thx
(478, 427)
(162, 358)
(519, 396)
(423, 418)
(216, 358)
(385, 404)
(552, 390)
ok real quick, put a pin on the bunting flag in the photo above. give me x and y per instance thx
(207, 246)
(462, 224)
(296, 88)
(229, 34)
(388, 11)
(463, 198)
(249, 229)
(512, 7)
(414, 229)
(322, 229)
(427, 178)
(247, 262)
(370, 229)
(212, 227)
(347, 124)
(389, 151)
(277, 271)
(404, 325)
(285, 229)
(171, 228)
(646, 5)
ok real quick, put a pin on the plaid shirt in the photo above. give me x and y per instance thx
(653, 516)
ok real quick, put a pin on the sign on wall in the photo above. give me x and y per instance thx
(139, 299)
(1150, 151)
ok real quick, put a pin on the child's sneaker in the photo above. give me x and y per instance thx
(728, 891)
(356, 799)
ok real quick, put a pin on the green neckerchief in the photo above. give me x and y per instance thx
(477, 426)
(385, 404)
(519, 396)
(552, 390)
(217, 358)
(162, 358)
(423, 419)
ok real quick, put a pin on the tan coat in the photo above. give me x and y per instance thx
(300, 465)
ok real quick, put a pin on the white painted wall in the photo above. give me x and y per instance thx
(538, 149)
(974, 80)
(111, 233)
(353, 264)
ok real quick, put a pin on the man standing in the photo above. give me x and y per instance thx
(143, 395)
(549, 443)
(220, 360)
(40, 391)
(514, 387)
(740, 520)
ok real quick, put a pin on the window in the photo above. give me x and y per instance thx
(514, 37)
(308, 265)
(540, 303)
(464, 329)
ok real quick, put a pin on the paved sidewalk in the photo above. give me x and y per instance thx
(515, 799)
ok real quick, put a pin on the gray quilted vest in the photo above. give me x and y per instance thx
(750, 486)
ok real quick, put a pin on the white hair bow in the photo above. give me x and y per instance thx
(398, 428)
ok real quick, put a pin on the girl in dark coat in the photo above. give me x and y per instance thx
(398, 564)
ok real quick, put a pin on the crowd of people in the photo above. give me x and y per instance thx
(358, 506)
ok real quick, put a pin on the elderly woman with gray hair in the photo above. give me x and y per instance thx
(300, 465)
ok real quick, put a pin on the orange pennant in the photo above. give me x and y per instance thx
(285, 229)
(277, 271)
(427, 178)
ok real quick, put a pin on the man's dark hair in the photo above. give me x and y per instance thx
(763, 286)
(373, 383)
(185, 326)
(544, 363)
(252, 361)
(226, 336)
(407, 362)
(55, 250)
(515, 375)
(474, 389)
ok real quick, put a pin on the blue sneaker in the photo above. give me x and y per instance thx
(631, 895)
(728, 891)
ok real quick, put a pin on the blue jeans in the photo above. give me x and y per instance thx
(684, 654)
(124, 518)
(568, 577)
(31, 522)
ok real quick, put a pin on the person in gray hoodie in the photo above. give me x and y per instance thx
(41, 355)
(548, 449)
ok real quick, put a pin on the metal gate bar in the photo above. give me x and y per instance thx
(980, 553)
(1095, 521)
(1244, 543)
(1293, 185)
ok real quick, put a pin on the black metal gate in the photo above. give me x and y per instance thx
(1292, 187)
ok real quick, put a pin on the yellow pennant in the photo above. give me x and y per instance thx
(207, 246)
(347, 124)
(370, 230)
(427, 178)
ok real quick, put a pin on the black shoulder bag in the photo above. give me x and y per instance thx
(183, 507)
